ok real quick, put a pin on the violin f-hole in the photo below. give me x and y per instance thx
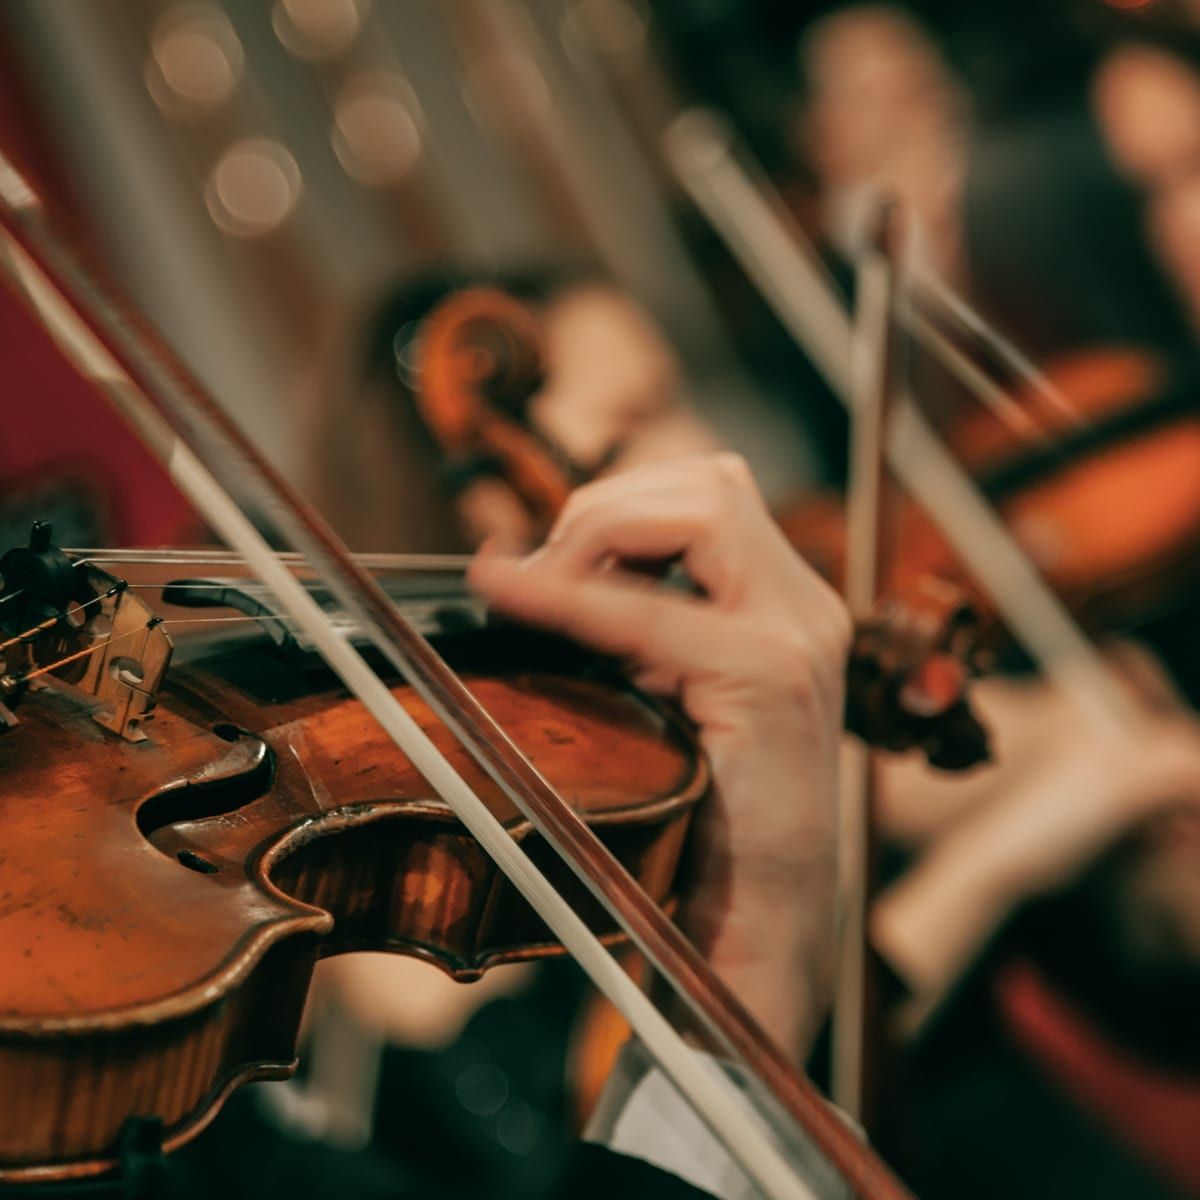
(245, 775)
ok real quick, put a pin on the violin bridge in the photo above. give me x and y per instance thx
(64, 619)
(127, 670)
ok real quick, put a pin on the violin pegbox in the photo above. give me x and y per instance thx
(477, 362)
(63, 620)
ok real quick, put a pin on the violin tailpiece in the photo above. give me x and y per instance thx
(64, 619)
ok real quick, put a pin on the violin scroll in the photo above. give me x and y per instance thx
(478, 364)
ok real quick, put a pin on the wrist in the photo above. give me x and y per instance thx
(787, 778)
(760, 900)
(774, 954)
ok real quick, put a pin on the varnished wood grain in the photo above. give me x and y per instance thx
(132, 984)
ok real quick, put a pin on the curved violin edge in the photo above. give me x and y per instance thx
(301, 882)
(224, 981)
(78, 1092)
(407, 878)
(88, 1169)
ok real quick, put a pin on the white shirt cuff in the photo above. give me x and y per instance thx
(641, 1114)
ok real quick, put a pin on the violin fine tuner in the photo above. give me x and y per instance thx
(64, 618)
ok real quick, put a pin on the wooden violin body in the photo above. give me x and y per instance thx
(1109, 511)
(163, 901)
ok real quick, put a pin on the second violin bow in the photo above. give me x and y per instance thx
(873, 380)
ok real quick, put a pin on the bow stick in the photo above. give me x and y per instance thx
(872, 373)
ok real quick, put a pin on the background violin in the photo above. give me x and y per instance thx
(1103, 494)
(472, 378)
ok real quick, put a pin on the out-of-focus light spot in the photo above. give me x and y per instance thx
(502, 88)
(519, 1128)
(613, 26)
(482, 1088)
(254, 188)
(375, 132)
(1130, 5)
(195, 58)
(315, 29)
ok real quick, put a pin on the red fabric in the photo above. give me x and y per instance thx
(55, 428)
(1155, 1113)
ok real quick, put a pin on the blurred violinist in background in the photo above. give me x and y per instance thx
(323, 180)
(1051, 204)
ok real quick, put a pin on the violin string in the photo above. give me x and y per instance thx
(265, 616)
(43, 627)
(151, 624)
(33, 632)
(192, 587)
(383, 561)
(87, 650)
(237, 585)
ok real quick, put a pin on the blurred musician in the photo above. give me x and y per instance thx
(1050, 908)
(613, 397)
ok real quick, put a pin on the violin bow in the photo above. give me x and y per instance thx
(749, 216)
(209, 458)
(873, 380)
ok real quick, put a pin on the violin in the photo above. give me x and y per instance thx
(1106, 503)
(273, 823)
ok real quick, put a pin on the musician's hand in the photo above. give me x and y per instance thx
(1079, 796)
(758, 663)
(1091, 792)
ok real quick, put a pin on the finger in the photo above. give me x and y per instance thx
(622, 616)
(717, 497)
(720, 529)
(712, 471)
(739, 559)
(657, 680)
(660, 526)
(754, 665)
